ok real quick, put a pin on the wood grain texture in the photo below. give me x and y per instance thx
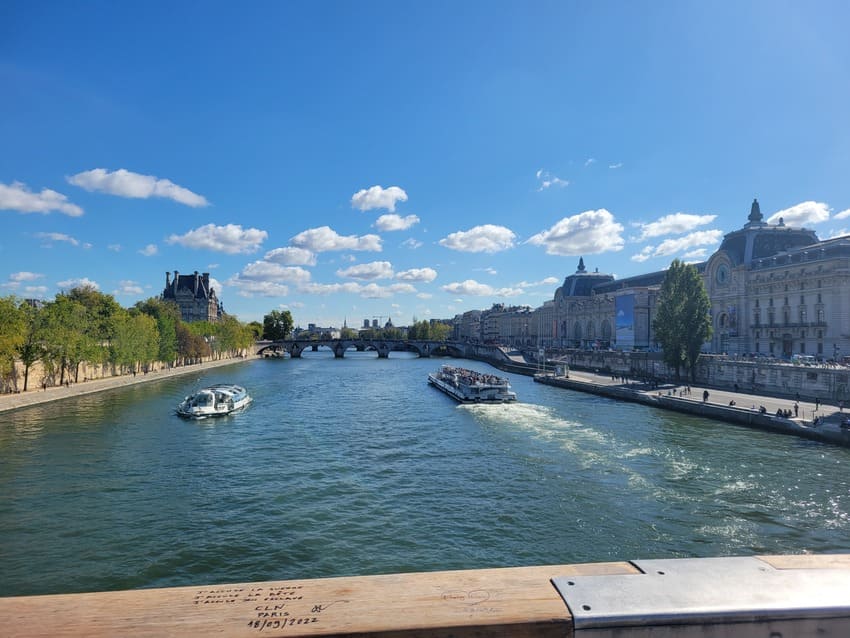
(491, 602)
(520, 602)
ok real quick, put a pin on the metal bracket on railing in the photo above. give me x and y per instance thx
(685, 595)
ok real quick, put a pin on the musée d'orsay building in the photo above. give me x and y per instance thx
(774, 290)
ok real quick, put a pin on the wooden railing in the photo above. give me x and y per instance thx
(807, 595)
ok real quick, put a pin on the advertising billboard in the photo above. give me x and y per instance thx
(624, 306)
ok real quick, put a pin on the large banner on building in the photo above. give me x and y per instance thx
(624, 305)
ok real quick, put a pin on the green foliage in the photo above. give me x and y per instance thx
(277, 325)
(348, 333)
(85, 325)
(256, 329)
(12, 333)
(428, 330)
(135, 342)
(191, 347)
(167, 315)
(683, 321)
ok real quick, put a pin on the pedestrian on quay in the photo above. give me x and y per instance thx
(796, 408)
(817, 403)
(704, 396)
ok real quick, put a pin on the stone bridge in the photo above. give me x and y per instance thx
(424, 348)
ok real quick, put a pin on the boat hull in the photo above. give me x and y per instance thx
(219, 400)
(473, 393)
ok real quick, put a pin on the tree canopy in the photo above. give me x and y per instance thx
(86, 325)
(277, 325)
(683, 320)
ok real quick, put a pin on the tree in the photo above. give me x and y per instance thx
(256, 330)
(13, 328)
(65, 335)
(277, 325)
(135, 342)
(682, 321)
(32, 347)
(167, 315)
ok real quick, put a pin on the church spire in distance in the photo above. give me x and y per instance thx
(580, 264)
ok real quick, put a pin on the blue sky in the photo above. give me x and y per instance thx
(346, 160)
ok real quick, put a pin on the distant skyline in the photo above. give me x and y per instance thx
(354, 160)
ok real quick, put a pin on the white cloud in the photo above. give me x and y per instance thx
(680, 245)
(25, 276)
(84, 282)
(116, 248)
(472, 288)
(417, 274)
(124, 183)
(372, 270)
(644, 254)
(34, 291)
(617, 165)
(248, 288)
(149, 251)
(424, 295)
(230, 239)
(548, 281)
(374, 291)
(267, 271)
(368, 291)
(411, 243)
(52, 237)
(844, 214)
(378, 197)
(590, 232)
(264, 279)
(589, 161)
(291, 256)
(16, 196)
(324, 239)
(801, 214)
(838, 233)
(674, 224)
(487, 238)
(128, 287)
(392, 222)
(547, 180)
(699, 253)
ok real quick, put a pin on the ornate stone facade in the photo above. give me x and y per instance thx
(774, 290)
(193, 295)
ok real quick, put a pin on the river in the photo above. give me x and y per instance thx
(356, 466)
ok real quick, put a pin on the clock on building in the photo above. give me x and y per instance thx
(722, 274)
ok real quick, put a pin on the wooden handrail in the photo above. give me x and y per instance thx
(519, 601)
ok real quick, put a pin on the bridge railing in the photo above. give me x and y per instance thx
(806, 595)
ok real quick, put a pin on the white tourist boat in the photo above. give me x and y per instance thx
(216, 400)
(469, 386)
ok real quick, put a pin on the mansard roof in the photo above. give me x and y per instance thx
(759, 240)
(196, 285)
(581, 283)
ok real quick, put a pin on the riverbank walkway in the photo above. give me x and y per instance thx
(15, 401)
(821, 420)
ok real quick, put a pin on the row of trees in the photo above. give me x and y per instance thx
(85, 325)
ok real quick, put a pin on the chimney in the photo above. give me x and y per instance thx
(196, 283)
(174, 283)
(167, 279)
